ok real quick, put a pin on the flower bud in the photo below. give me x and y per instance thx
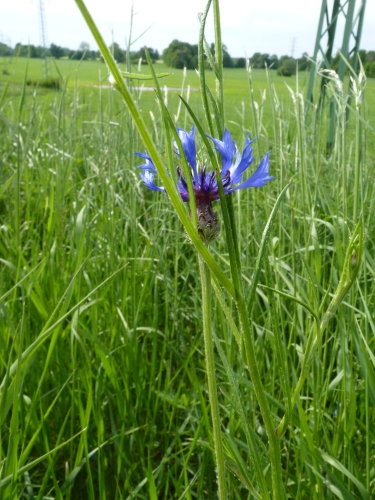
(208, 222)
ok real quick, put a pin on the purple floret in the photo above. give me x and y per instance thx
(234, 164)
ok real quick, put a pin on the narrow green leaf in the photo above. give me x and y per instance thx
(262, 248)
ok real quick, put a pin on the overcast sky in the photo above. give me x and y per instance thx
(268, 26)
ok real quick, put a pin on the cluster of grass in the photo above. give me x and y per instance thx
(103, 391)
(48, 82)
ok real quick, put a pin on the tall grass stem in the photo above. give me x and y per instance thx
(211, 379)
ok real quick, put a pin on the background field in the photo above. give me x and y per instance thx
(100, 296)
(87, 76)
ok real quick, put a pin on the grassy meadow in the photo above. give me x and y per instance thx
(86, 78)
(103, 391)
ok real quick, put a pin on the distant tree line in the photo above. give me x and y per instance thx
(37, 51)
(184, 55)
(367, 59)
(285, 65)
(120, 55)
(83, 52)
(180, 55)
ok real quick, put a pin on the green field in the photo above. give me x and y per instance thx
(86, 77)
(103, 392)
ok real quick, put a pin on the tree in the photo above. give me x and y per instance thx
(181, 58)
(29, 50)
(227, 60)
(240, 62)
(274, 61)
(259, 60)
(369, 63)
(255, 60)
(84, 47)
(288, 67)
(303, 62)
(117, 52)
(35, 52)
(370, 69)
(5, 50)
(56, 51)
(21, 50)
(154, 55)
(265, 60)
(181, 55)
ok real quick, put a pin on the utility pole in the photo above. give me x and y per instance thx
(43, 34)
(293, 46)
(341, 10)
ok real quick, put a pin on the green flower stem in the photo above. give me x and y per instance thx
(202, 72)
(210, 368)
(243, 312)
(229, 223)
(219, 60)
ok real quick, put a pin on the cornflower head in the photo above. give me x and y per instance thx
(204, 182)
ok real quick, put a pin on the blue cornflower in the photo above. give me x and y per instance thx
(205, 185)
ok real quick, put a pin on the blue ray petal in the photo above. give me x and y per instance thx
(259, 177)
(227, 149)
(242, 162)
(149, 164)
(188, 145)
(148, 178)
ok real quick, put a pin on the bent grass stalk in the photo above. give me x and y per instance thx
(232, 242)
(153, 152)
(235, 290)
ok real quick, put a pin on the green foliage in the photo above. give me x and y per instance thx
(32, 51)
(98, 272)
(227, 60)
(46, 83)
(259, 60)
(303, 62)
(5, 50)
(117, 52)
(181, 55)
(82, 53)
(367, 59)
(239, 62)
(184, 55)
(273, 62)
(141, 54)
(56, 51)
(288, 67)
(262, 61)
